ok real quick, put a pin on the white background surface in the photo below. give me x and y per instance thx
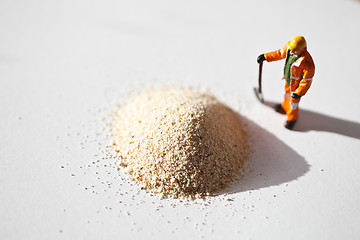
(63, 64)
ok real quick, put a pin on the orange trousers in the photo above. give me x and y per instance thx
(290, 105)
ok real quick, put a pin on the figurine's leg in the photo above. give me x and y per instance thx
(290, 105)
(293, 112)
(286, 102)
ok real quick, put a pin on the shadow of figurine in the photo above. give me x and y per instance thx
(271, 161)
(309, 121)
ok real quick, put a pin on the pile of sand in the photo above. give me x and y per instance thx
(179, 142)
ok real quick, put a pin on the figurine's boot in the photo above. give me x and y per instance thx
(278, 108)
(290, 124)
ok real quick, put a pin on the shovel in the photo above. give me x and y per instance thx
(258, 91)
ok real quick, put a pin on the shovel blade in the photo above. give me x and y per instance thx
(259, 95)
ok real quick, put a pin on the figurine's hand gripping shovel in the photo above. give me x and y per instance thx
(258, 91)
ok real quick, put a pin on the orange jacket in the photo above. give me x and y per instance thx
(302, 70)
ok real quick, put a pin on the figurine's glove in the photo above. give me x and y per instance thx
(295, 96)
(261, 58)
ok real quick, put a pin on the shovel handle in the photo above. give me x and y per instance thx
(260, 73)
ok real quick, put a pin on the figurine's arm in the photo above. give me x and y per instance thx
(306, 81)
(276, 55)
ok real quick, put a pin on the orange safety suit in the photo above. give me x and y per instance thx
(301, 76)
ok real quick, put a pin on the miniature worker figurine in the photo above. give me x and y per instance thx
(299, 70)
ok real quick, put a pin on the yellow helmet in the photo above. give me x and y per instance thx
(297, 43)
